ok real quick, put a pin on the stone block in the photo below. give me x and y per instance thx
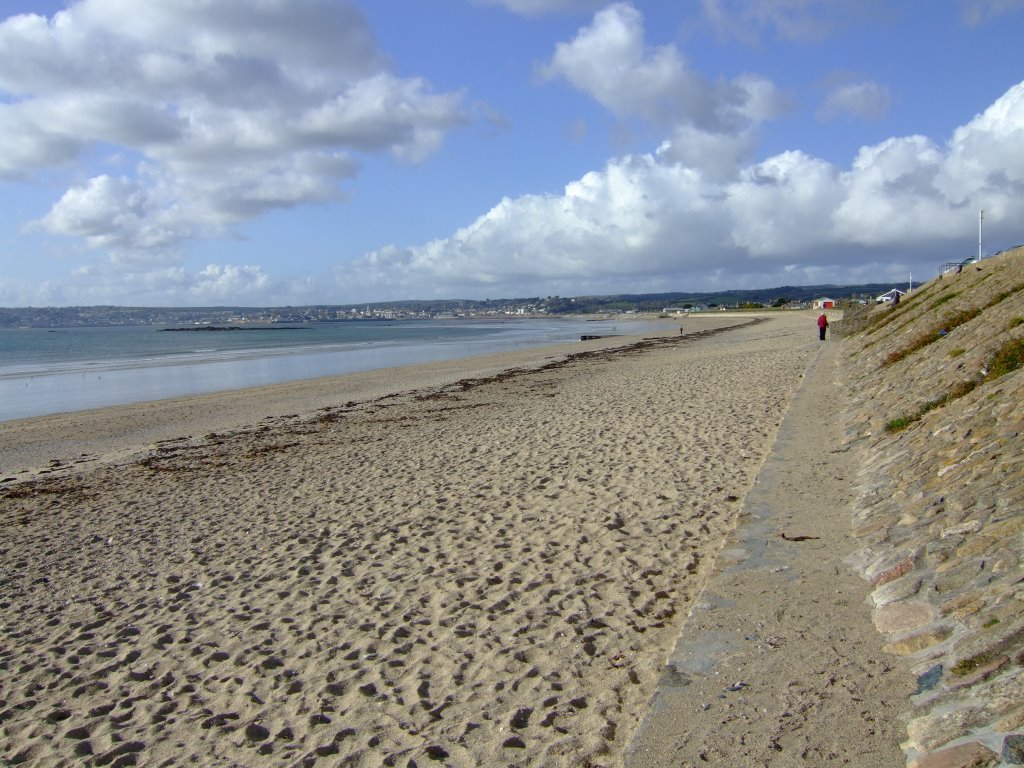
(981, 647)
(891, 566)
(1005, 528)
(928, 679)
(931, 731)
(1001, 693)
(911, 644)
(903, 616)
(978, 545)
(970, 755)
(941, 547)
(1013, 749)
(946, 502)
(964, 605)
(859, 560)
(1006, 560)
(946, 561)
(979, 673)
(956, 578)
(971, 526)
(876, 529)
(906, 586)
(1011, 721)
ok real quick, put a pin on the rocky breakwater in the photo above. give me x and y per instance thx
(936, 411)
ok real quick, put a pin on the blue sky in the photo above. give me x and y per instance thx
(327, 151)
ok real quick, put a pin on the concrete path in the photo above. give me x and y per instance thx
(778, 663)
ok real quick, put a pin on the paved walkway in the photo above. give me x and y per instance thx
(778, 663)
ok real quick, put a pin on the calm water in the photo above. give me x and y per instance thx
(46, 371)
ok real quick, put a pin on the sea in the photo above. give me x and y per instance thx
(55, 370)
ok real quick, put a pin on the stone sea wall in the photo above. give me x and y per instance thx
(935, 401)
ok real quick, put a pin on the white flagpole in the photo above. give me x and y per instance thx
(981, 219)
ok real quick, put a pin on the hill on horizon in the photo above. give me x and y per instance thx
(104, 314)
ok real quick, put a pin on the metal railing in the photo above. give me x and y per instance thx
(956, 266)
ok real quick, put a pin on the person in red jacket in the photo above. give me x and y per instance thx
(822, 325)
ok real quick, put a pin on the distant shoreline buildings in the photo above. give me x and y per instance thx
(790, 297)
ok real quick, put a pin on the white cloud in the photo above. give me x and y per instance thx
(980, 11)
(781, 206)
(629, 218)
(793, 20)
(538, 7)
(109, 213)
(717, 155)
(864, 99)
(166, 122)
(173, 285)
(891, 195)
(373, 115)
(757, 99)
(229, 283)
(26, 145)
(984, 159)
(712, 125)
(609, 61)
(230, 108)
(637, 217)
(22, 293)
(649, 221)
(645, 222)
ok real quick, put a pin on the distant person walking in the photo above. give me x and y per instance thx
(822, 326)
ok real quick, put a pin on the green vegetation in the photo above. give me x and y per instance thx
(917, 295)
(957, 352)
(943, 299)
(879, 320)
(949, 323)
(968, 665)
(898, 425)
(960, 390)
(1007, 359)
(990, 623)
(1005, 295)
(955, 393)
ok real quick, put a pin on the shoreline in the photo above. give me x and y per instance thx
(61, 441)
(134, 373)
(488, 568)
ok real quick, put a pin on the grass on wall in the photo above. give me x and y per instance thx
(1007, 359)
(949, 323)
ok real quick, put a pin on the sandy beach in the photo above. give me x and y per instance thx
(480, 563)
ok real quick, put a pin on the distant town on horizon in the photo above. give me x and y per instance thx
(106, 315)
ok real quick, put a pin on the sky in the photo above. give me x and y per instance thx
(295, 152)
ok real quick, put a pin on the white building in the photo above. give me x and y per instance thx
(890, 296)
